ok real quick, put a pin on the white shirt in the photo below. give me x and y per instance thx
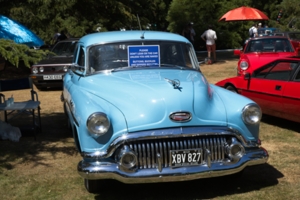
(210, 36)
(254, 31)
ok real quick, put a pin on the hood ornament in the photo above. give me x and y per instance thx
(182, 116)
(175, 83)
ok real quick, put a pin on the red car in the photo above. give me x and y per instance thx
(275, 86)
(261, 50)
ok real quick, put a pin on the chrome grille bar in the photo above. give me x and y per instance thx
(147, 150)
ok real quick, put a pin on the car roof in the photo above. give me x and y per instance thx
(115, 36)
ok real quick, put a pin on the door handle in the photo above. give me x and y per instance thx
(278, 87)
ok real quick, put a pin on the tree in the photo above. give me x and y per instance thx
(14, 53)
(203, 14)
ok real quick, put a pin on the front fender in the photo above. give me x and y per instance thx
(80, 110)
(234, 112)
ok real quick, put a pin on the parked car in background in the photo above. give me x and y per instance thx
(274, 86)
(267, 31)
(261, 50)
(294, 37)
(263, 32)
(49, 73)
(141, 111)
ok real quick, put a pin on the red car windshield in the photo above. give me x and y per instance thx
(269, 45)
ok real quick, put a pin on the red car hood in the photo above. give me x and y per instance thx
(258, 59)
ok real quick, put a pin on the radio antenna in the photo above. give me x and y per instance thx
(142, 36)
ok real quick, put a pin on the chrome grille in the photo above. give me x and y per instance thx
(147, 150)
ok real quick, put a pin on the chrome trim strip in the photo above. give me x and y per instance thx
(167, 133)
(70, 111)
(108, 170)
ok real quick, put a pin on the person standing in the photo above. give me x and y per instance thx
(55, 38)
(253, 31)
(193, 33)
(62, 36)
(210, 36)
(186, 32)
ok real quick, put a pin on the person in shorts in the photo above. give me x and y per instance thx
(210, 36)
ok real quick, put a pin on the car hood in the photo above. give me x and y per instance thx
(260, 59)
(147, 98)
(56, 60)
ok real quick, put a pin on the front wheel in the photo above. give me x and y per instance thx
(92, 186)
(231, 88)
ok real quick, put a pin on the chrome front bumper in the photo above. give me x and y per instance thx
(110, 170)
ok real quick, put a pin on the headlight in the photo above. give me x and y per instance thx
(244, 65)
(65, 68)
(41, 69)
(34, 70)
(252, 114)
(98, 124)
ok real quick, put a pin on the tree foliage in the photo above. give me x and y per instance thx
(14, 53)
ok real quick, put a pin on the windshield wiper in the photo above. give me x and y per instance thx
(171, 65)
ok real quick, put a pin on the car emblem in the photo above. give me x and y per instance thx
(180, 116)
(175, 83)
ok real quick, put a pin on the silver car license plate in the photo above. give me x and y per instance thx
(186, 157)
(52, 77)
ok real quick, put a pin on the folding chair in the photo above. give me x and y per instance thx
(27, 108)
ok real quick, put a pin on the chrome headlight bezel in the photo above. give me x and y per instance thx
(244, 65)
(251, 114)
(98, 124)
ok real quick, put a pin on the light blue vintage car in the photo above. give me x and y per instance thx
(141, 111)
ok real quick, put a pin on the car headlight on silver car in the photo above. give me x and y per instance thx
(98, 124)
(251, 114)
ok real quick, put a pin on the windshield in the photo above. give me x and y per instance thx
(65, 48)
(269, 45)
(140, 55)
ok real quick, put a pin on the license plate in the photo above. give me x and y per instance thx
(52, 77)
(186, 157)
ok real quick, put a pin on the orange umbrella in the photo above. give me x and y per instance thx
(244, 14)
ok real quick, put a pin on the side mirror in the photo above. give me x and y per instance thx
(247, 76)
(237, 52)
(76, 67)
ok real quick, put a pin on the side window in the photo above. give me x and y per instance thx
(81, 60)
(262, 72)
(280, 71)
(297, 75)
